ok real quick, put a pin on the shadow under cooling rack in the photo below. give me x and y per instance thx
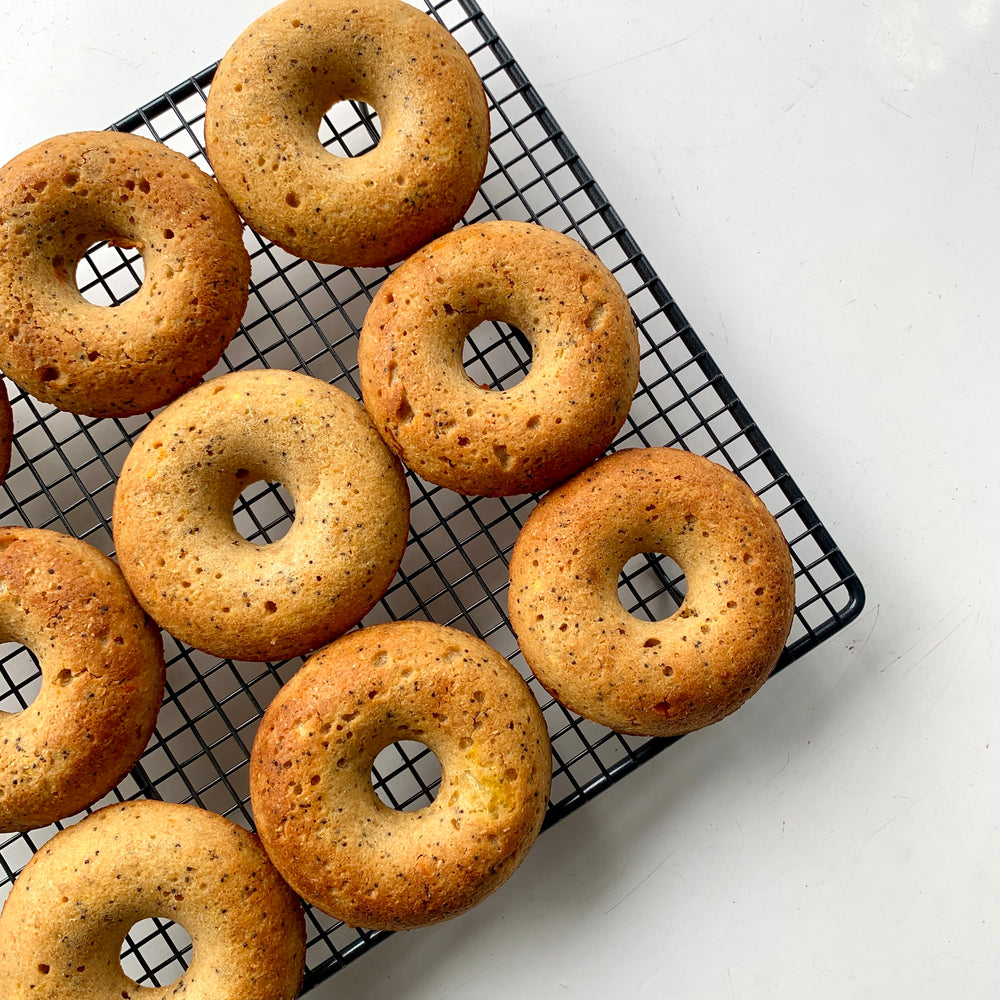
(306, 317)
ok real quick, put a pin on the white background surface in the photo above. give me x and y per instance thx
(818, 184)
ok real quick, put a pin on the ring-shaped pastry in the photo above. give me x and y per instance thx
(179, 547)
(287, 69)
(63, 925)
(659, 678)
(69, 192)
(343, 849)
(563, 414)
(102, 669)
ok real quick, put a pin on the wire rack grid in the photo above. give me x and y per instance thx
(306, 317)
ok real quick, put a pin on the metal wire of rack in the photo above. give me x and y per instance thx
(306, 317)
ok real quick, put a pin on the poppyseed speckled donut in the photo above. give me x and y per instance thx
(101, 661)
(62, 927)
(267, 101)
(659, 678)
(178, 545)
(524, 439)
(319, 818)
(69, 192)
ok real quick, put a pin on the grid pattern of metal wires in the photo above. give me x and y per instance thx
(305, 316)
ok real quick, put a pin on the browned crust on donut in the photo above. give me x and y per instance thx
(310, 775)
(287, 69)
(102, 669)
(69, 910)
(72, 191)
(559, 418)
(173, 515)
(652, 678)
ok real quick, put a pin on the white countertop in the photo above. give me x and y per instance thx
(818, 184)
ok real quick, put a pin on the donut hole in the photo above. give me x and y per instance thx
(651, 586)
(108, 275)
(20, 677)
(406, 775)
(156, 952)
(264, 511)
(350, 128)
(496, 355)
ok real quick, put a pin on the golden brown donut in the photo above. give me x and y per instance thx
(69, 192)
(281, 76)
(560, 417)
(102, 669)
(179, 548)
(659, 678)
(62, 927)
(318, 816)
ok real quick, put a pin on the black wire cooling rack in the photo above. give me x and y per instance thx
(306, 316)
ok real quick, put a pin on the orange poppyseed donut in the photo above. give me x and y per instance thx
(102, 669)
(63, 925)
(178, 545)
(62, 196)
(287, 69)
(336, 842)
(660, 678)
(525, 439)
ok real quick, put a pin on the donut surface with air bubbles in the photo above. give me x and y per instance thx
(101, 661)
(178, 544)
(70, 192)
(342, 848)
(266, 106)
(652, 678)
(526, 438)
(65, 921)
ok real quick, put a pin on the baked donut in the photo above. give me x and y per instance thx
(62, 927)
(559, 418)
(659, 678)
(102, 669)
(267, 102)
(179, 548)
(318, 816)
(69, 192)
